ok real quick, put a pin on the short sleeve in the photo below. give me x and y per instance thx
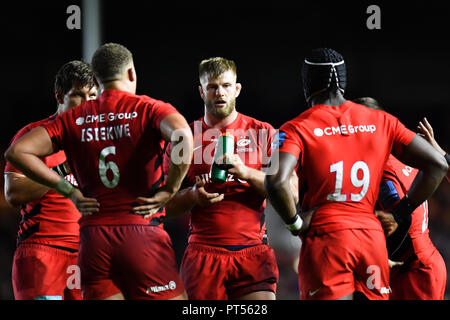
(402, 136)
(159, 111)
(289, 140)
(55, 130)
(9, 167)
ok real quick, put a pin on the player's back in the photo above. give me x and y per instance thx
(343, 152)
(114, 147)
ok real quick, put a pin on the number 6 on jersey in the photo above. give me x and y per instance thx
(356, 182)
(104, 166)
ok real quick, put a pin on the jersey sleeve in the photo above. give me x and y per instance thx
(9, 167)
(402, 136)
(55, 130)
(289, 140)
(159, 111)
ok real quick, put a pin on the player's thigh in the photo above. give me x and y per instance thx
(372, 272)
(144, 264)
(204, 270)
(94, 259)
(40, 272)
(326, 265)
(254, 272)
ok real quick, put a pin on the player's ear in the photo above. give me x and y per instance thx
(131, 74)
(59, 97)
(238, 89)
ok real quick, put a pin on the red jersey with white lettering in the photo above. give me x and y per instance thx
(341, 152)
(52, 219)
(238, 219)
(402, 177)
(115, 150)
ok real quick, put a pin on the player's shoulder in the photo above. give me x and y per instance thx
(33, 125)
(251, 122)
(150, 101)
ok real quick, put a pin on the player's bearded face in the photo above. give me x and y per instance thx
(219, 94)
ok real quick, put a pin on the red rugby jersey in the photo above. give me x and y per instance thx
(238, 219)
(402, 177)
(342, 151)
(115, 149)
(52, 219)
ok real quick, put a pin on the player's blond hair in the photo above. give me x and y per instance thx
(109, 62)
(216, 66)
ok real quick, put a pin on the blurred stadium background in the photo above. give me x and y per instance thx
(404, 65)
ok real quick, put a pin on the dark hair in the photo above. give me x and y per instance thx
(109, 61)
(323, 69)
(216, 66)
(369, 102)
(74, 73)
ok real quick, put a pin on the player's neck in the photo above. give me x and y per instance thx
(219, 123)
(118, 85)
(329, 98)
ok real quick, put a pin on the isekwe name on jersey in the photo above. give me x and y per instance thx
(108, 132)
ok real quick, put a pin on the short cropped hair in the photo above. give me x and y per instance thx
(369, 102)
(74, 73)
(214, 67)
(109, 61)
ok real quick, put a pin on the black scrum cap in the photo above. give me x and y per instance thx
(324, 68)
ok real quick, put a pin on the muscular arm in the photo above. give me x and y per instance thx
(432, 165)
(175, 129)
(26, 153)
(278, 187)
(20, 190)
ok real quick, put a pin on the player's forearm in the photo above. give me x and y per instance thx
(280, 196)
(256, 180)
(425, 183)
(33, 167)
(20, 190)
(432, 165)
(180, 160)
(181, 203)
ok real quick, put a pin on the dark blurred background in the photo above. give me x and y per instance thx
(405, 65)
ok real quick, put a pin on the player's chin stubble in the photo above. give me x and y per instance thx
(221, 112)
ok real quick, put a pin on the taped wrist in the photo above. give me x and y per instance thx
(295, 223)
(403, 210)
(64, 188)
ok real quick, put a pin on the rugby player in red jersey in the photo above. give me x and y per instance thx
(227, 256)
(340, 149)
(114, 147)
(45, 261)
(422, 274)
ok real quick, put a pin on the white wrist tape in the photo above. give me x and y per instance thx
(64, 187)
(296, 225)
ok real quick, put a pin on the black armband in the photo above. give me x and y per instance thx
(403, 209)
(61, 170)
(447, 157)
(402, 215)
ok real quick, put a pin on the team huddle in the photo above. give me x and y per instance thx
(96, 180)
